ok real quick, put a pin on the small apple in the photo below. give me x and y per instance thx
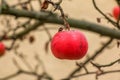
(116, 12)
(71, 45)
(2, 49)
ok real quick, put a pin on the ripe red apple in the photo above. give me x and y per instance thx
(70, 45)
(2, 49)
(116, 12)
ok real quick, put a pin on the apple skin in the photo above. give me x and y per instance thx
(2, 49)
(71, 45)
(116, 12)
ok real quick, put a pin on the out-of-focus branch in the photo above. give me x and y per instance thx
(31, 72)
(98, 52)
(106, 65)
(27, 73)
(97, 8)
(53, 18)
(24, 32)
(27, 30)
(91, 73)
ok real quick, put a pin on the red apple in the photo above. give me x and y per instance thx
(2, 49)
(116, 12)
(71, 45)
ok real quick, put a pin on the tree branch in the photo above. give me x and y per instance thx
(48, 17)
(89, 59)
(24, 32)
(106, 65)
(110, 20)
(91, 73)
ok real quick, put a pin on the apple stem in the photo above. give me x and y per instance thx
(67, 26)
(58, 7)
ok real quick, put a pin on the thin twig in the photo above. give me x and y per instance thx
(98, 52)
(91, 73)
(53, 18)
(96, 7)
(106, 65)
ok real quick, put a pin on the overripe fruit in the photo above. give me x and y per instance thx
(70, 45)
(116, 12)
(2, 49)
